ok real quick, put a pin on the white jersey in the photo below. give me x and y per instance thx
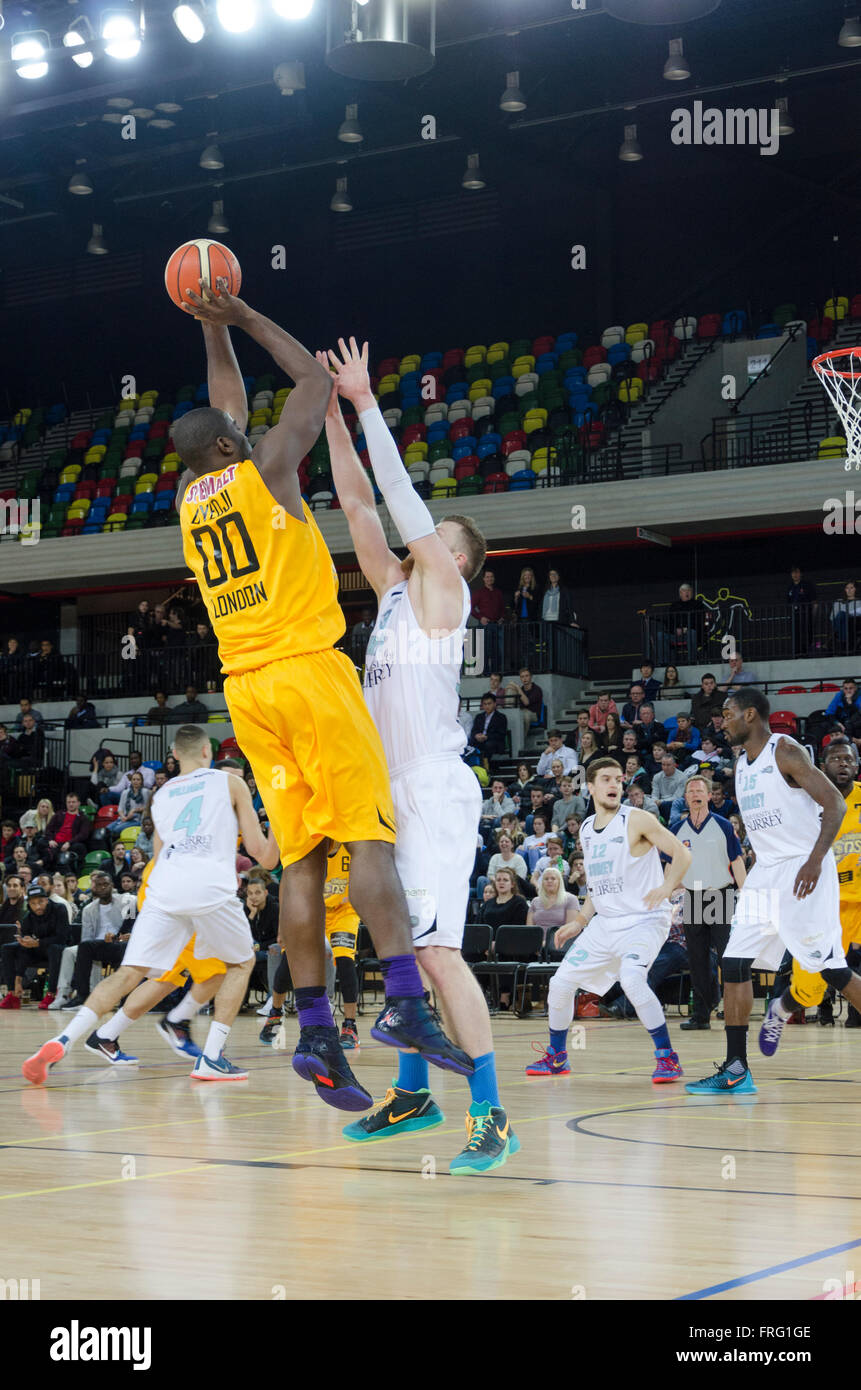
(617, 880)
(411, 683)
(782, 822)
(196, 822)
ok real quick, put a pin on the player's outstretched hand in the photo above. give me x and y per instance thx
(216, 307)
(807, 878)
(654, 898)
(351, 373)
(334, 410)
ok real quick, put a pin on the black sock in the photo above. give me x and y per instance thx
(736, 1042)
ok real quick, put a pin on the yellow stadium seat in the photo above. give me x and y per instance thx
(832, 448)
(410, 363)
(130, 404)
(84, 882)
(149, 477)
(95, 454)
(496, 352)
(541, 458)
(22, 416)
(130, 834)
(415, 451)
(446, 487)
(535, 419)
(523, 364)
(837, 308)
(172, 458)
(636, 332)
(630, 390)
(71, 474)
(169, 467)
(142, 486)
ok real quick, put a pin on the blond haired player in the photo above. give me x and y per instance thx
(806, 989)
(342, 933)
(270, 589)
(191, 891)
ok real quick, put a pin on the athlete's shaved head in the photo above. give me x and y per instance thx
(207, 439)
(190, 741)
(463, 536)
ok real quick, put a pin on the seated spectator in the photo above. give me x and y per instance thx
(536, 803)
(846, 703)
(707, 701)
(12, 909)
(551, 785)
(507, 909)
(8, 745)
(711, 759)
(574, 739)
(69, 831)
(30, 744)
(527, 697)
(489, 729)
(106, 925)
(535, 843)
(570, 803)
(611, 738)
(651, 686)
(737, 674)
(511, 826)
(631, 710)
(716, 730)
(106, 779)
(262, 914)
(12, 669)
(571, 835)
(723, 803)
(598, 712)
(668, 784)
(133, 802)
(25, 708)
(120, 862)
(494, 687)
(48, 673)
(39, 855)
(159, 713)
(506, 857)
(642, 801)
(684, 739)
(19, 860)
(160, 779)
(38, 817)
(846, 618)
(191, 710)
(522, 784)
(556, 749)
(588, 750)
(555, 904)
(635, 774)
(577, 884)
(76, 895)
(9, 838)
(45, 926)
(649, 729)
(557, 603)
(60, 894)
(136, 764)
(82, 715)
(137, 860)
(653, 757)
(171, 768)
(737, 824)
(630, 745)
(553, 858)
(671, 686)
(203, 652)
(498, 804)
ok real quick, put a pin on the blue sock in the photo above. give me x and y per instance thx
(412, 1072)
(661, 1038)
(482, 1083)
(558, 1039)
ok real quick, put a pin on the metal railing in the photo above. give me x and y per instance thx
(768, 632)
(546, 648)
(111, 675)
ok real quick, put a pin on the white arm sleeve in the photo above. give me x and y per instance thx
(406, 508)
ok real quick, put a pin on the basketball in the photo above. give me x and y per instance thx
(204, 260)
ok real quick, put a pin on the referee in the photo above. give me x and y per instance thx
(716, 867)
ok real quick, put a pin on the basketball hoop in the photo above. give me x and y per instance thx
(840, 374)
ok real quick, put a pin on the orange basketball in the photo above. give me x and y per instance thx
(204, 260)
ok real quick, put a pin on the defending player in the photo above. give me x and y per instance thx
(790, 900)
(271, 592)
(412, 669)
(342, 933)
(623, 922)
(192, 890)
(807, 990)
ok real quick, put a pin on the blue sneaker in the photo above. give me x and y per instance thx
(109, 1050)
(319, 1058)
(178, 1036)
(407, 1022)
(551, 1063)
(771, 1030)
(216, 1069)
(731, 1076)
(402, 1112)
(489, 1140)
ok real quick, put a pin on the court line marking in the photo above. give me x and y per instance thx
(742, 1279)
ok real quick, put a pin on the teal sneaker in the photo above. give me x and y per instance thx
(402, 1112)
(489, 1140)
(731, 1076)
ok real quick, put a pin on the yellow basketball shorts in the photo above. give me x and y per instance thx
(809, 989)
(314, 750)
(342, 929)
(199, 970)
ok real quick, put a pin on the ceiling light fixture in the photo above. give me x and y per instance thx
(237, 16)
(512, 98)
(80, 182)
(290, 78)
(472, 176)
(676, 67)
(349, 130)
(850, 34)
(218, 224)
(212, 157)
(341, 198)
(80, 36)
(191, 20)
(629, 150)
(96, 244)
(296, 9)
(29, 53)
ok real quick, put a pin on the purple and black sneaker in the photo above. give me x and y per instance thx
(319, 1059)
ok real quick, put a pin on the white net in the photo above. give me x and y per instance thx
(840, 374)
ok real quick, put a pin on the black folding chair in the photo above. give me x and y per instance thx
(477, 941)
(545, 968)
(367, 964)
(514, 947)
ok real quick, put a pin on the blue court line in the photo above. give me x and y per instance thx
(766, 1273)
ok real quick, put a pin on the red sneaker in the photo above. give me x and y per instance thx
(11, 1001)
(46, 1000)
(667, 1069)
(35, 1069)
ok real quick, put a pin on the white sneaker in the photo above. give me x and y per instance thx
(61, 1002)
(267, 1008)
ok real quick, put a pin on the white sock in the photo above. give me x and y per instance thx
(185, 1009)
(215, 1040)
(780, 1010)
(111, 1030)
(83, 1022)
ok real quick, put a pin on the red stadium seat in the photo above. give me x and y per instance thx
(452, 358)
(783, 721)
(593, 355)
(540, 345)
(229, 748)
(649, 370)
(412, 433)
(466, 467)
(496, 482)
(387, 366)
(515, 440)
(855, 307)
(709, 326)
(792, 690)
(105, 814)
(460, 429)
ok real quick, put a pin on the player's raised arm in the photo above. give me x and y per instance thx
(260, 846)
(433, 559)
(796, 767)
(224, 379)
(648, 827)
(378, 563)
(285, 445)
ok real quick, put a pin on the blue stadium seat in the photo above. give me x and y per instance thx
(770, 330)
(619, 352)
(430, 361)
(565, 341)
(734, 322)
(502, 386)
(521, 481)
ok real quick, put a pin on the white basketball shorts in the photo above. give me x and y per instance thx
(158, 936)
(437, 810)
(594, 959)
(769, 920)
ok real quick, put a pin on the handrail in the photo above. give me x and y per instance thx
(793, 334)
(694, 361)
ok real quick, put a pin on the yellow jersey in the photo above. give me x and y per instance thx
(337, 883)
(847, 848)
(267, 579)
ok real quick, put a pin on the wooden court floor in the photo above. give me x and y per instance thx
(142, 1184)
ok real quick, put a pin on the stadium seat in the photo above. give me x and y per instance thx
(783, 721)
(832, 448)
